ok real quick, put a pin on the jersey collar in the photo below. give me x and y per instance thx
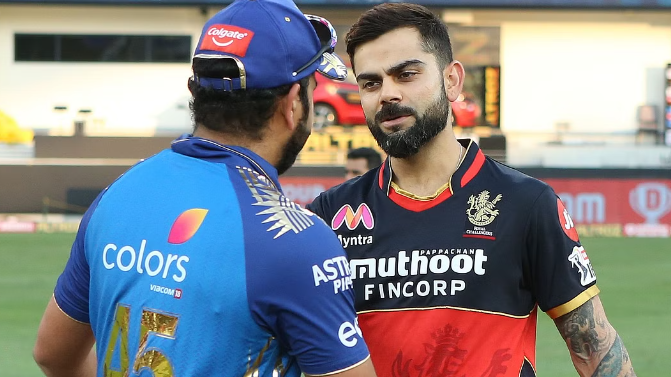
(470, 166)
(236, 156)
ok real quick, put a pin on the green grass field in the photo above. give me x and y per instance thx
(634, 276)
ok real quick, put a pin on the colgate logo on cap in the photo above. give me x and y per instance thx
(227, 38)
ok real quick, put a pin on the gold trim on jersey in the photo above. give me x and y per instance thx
(342, 370)
(253, 370)
(66, 314)
(429, 198)
(447, 186)
(447, 307)
(279, 367)
(578, 300)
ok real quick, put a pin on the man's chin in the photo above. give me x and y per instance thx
(388, 131)
(393, 130)
(402, 154)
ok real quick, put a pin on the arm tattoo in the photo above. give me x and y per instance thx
(585, 334)
(614, 361)
(595, 346)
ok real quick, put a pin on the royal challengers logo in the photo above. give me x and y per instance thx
(481, 211)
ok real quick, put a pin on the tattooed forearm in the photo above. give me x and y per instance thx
(595, 347)
(616, 362)
(586, 334)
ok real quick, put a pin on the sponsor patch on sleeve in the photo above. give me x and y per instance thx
(566, 222)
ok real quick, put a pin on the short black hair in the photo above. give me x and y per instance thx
(239, 112)
(372, 157)
(386, 17)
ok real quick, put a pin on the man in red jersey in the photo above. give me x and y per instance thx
(451, 252)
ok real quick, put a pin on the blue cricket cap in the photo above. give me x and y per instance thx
(272, 43)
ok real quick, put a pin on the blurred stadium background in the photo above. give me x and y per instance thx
(573, 92)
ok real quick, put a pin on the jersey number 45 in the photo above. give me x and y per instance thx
(153, 323)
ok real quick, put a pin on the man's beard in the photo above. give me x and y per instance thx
(406, 143)
(294, 145)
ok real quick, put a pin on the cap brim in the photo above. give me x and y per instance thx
(332, 66)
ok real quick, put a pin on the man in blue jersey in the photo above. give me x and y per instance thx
(193, 262)
(452, 253)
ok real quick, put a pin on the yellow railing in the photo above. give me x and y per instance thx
(330, 146)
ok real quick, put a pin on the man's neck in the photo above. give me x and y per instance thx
(260, 148)
(427, 171)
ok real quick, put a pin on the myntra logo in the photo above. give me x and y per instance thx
(352, 219)
(186, 225)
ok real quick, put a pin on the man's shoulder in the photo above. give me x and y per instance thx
(354, 190)
(354, 187)
(515, 177)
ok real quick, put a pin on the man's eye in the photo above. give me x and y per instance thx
(369, 84)
(407, 74)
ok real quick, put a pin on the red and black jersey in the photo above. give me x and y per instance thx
(449, 285)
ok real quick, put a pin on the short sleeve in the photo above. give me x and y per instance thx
(563, 277)
(72, 288)
(317, 206)
(306, 299)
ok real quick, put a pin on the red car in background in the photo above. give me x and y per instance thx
(465, 111)
(339, 103)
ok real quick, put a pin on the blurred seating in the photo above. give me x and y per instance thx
(11, 133)
(648, 128)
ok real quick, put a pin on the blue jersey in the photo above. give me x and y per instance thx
(193, 263)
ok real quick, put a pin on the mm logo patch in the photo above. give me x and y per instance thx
(347, 216)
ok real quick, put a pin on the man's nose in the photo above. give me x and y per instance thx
(390, 92)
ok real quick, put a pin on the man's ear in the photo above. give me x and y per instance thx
(291, 106)
(453, 77)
